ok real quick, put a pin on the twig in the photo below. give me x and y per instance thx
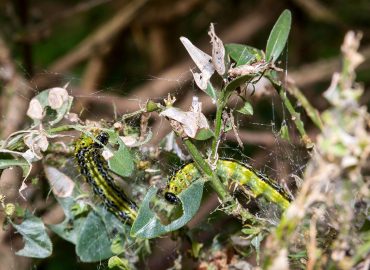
(321, 70)
(318, 11)
(36, 32)
(101, 36)
(17, 93)
(93, 76)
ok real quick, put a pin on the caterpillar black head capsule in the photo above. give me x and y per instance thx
(171, 198)
(103, 138)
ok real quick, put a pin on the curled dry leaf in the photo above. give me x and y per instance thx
(218, 51)
(61, 184)
(247, 69)
(203, 62)
(129, 141)
(73, 117)
(191, 121)
(350, 49)
(35, 110)
(57, 97)
(37, 142)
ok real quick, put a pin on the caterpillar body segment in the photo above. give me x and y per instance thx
(257, 184)
(230, 172)
(94, 169)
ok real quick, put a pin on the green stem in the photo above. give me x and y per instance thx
(310, 110)
(206, 169)
(218, 125)
(62, 128)
(296, 117)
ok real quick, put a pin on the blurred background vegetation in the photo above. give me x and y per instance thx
(124, 52)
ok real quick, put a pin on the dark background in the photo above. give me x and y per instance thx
(124, 52)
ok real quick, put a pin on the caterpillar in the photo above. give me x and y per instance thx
(241, 174)
(94, 169)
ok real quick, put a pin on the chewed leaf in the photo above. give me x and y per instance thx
(218, 51)
(93, 240)
(51, 104)
(147, 225)
(203, 62)
(201, 79)
(122, 162)
(200, 58)
(67, 229)
(37, 241)
(191, 121)
(61, 184)
(278, 36)
(95, 235)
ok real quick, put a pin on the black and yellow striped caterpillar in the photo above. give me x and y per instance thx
(95, 170)
(233, 172)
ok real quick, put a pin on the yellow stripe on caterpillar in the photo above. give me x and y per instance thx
(95, 171)
(230, 172)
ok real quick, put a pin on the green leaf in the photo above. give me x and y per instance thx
(69, 228)
(210, 91)
(278, 36)
(93, 241)
(238, 82)
(147, 225)
(243, 54)
(204, 134)
(117, 263)
(52, 115)
(122, 162)
(117, 246)
(256, 243)
(284, 132)
(6, 163)
(37, 241)
(95, 236)
(247, 109)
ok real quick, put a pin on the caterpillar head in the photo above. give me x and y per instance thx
(171, 198)
(102, 138)
(85, 141)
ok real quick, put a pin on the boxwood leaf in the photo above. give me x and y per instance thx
(122, 162)
(247, 109)
(37, 241)
(278, 36)
(243, 54)
(96, 235)
(147, 225)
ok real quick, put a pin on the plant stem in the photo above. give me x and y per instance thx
(62, 128)
(218, 122)
(206, 169)
(310, 110)
(296, 117)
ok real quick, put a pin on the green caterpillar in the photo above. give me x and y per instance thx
(95, 171)
(229, 170)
